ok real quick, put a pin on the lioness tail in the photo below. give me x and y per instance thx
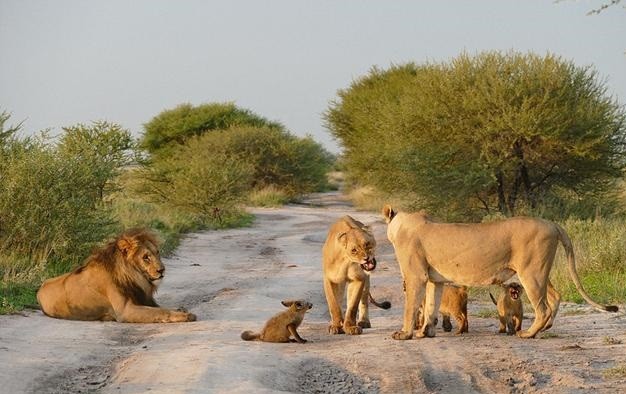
(250, 336)
(571, 266)
(382, 305)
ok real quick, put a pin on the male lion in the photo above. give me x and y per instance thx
(431, 254)
(117, 282)
(348, 256)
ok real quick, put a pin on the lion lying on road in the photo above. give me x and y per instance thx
(431, 254)
(117, 282)
(348, 256)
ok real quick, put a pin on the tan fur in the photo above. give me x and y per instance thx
(453, 303)
(283, 325)
(349, 247)
(431, 254)
(510, 308)
(117, 282)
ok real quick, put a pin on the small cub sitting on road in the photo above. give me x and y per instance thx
(282, 325)
(510, 309)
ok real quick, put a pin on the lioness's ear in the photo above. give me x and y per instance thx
(388, 213)
(126, 245)
(287, 303)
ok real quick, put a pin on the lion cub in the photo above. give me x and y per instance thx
(282, 325)
(510, 309)
(453, 303)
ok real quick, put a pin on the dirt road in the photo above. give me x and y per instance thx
(234, 280)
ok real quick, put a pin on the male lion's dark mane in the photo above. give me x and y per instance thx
(122, 271)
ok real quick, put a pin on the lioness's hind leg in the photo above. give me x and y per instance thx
(537, 295)
(554, 300)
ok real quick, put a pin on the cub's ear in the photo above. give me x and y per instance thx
(287, 303)
(388, 213)
(126, 245)
(343, 238)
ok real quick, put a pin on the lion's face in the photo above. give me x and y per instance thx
(515, 290)
(147, 258)
(359, 248)
(144, 256)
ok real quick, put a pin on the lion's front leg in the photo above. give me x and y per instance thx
(355, 292)
(128, 312)
(364, 317)
(148, 314)
(334, 293)
(413, 296)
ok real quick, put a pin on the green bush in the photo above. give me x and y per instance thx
(294, 165)
(199, 181)
(48, 207)
(175, 126)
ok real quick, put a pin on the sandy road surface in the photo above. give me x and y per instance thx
(234, 280)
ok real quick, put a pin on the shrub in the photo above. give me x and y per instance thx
(175, 126)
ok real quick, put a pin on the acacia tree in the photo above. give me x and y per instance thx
(504, 132)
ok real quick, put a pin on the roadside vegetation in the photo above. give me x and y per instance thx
(193, 168)
(493, 135)
(478, 138)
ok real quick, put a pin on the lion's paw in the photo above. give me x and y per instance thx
(525, 334)
(353, 330)
(335, 329)
(429, 331)
(364, 324)
(402, 335)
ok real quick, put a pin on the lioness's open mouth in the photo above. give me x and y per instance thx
(369, 265)
(514, 295)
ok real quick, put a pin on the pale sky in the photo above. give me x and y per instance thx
(64, 62)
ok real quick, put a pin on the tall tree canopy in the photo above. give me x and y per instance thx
(494, 132)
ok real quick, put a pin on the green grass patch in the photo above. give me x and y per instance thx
(15, 296)
(486, 313)
(611, 341)
(616, 372)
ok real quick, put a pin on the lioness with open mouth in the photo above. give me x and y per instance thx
(348, 257)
